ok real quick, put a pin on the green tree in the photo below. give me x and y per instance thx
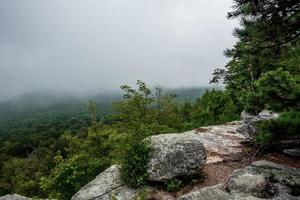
(268, 34)
(134, 111)
(214, 107)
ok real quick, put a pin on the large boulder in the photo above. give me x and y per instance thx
(260, 180)
(174, 155)
(249, 122)
(106, 186)
(249, 181)
(265, 179)
(281, 174)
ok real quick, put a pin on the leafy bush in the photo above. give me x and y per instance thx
(173, 185)
(88, 156)
(134, 167)
(287, 126)
(142, 194)
(64, 180)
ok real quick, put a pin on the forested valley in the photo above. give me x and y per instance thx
(53, 144)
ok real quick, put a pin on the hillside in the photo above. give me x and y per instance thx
(39, 128)
(38, 108)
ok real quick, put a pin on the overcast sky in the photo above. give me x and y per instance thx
(92, 45)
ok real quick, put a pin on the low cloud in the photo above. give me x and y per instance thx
(88, 46)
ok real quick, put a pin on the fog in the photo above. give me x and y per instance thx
(90, 46)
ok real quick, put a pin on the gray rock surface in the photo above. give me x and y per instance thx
(19, 197)
(208, 193)
(281, 174)
(264, 179)
(248, 182)
(260, 180)
(155, 194)
(292, 152)
(106, 186)
(248, 127)
(267, 114)
(220, 141)
(14, 197)
(174, 155)
(246, 117)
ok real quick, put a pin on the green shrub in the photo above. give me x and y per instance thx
(71, 174)
(142, 194)
(134, 166)
(214, 107)
(287, 126)
(64, 180)
(173, 185)
(265, 139)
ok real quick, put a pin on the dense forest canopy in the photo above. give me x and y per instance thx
(53, 151)
(38, 129)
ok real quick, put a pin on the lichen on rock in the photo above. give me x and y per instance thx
(174, 155)
(107, 185)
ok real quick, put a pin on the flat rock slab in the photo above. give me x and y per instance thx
(220, 141)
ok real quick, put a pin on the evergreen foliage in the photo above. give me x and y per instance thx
(215, 107)
(264, 68)
(286, 127)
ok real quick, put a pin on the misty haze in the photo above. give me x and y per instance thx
(85, 47)
(149, 99)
